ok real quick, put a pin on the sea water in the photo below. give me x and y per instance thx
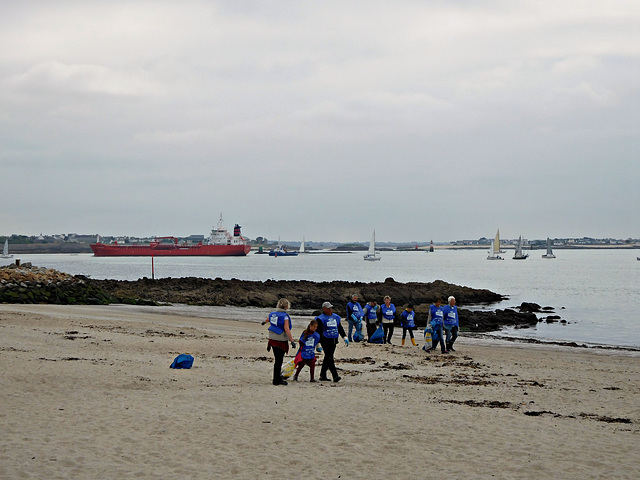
(597, 292)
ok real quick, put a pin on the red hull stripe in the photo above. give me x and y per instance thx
(168, 250)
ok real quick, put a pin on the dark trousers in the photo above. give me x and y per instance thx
(371, 329)
(278, 354)
(388, 331)
(452, 334)
(405, 330)
(438, 337)
(328, 363)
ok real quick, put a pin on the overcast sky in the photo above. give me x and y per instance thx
(423, 120)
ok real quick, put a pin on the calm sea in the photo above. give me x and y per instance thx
(596, 292)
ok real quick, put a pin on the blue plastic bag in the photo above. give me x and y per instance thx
(357, 336)
(378, 336)
(184, 360)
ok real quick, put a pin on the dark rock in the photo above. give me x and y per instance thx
(529, 307)
(482, 321)
(302, 294)
(59, 288)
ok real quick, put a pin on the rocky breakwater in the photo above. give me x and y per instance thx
(28, 284)
(310, 295)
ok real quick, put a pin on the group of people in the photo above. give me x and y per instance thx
(443, 319)
(323, 333)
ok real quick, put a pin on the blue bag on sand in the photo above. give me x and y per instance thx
(357, 335)
(184, 360)
(378, 336)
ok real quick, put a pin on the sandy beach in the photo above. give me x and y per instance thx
(86, 392)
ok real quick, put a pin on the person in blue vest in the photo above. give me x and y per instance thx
(388, 313)
(330, 329)
(355, 313)
(436, 318)
(279, 337)
(451, 322)
(308, 342)
(371, 311)
(407, 320)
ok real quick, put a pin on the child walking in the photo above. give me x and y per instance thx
(308, 342)
(407, 320)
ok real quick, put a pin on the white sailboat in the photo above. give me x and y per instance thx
(493, 253)
(519, 255)
(302, 247)
(549, 253)
(5, 250)
(372, 255)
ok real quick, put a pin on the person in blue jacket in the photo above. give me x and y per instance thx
(330, 329)
(451, 322)
(279, 332)
(371, 310)
(355, 313)
(407, 320)
(388, 313)
(308, 342)
(436, 318)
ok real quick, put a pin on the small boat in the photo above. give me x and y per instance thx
(5, 250)
(302, 248)
(519, 255)
(281, 251)
(372, 255)
(495, 248)
(549, 253)
(493, 253)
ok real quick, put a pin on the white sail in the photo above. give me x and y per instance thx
(519, 255)
(5, 249)
(302, 246)
(493, 254)
(549, 253)
(371, 253)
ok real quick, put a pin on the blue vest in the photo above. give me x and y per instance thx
(308, 346)
(407, 319)
(276, 320)
(355, 309)
(437, 316)
(450, 315)
(372, 312)
(329, 325)
(389, 312)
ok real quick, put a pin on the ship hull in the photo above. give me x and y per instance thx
(169, 250)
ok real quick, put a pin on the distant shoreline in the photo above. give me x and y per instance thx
(67, 248)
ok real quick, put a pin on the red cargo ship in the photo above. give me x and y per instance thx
(220, 243)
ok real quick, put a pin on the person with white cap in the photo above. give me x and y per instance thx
(451, 322)
(355, 313)
(330, 329)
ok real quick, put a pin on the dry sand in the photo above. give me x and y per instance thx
(87, 393)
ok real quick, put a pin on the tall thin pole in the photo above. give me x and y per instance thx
(153, 275)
